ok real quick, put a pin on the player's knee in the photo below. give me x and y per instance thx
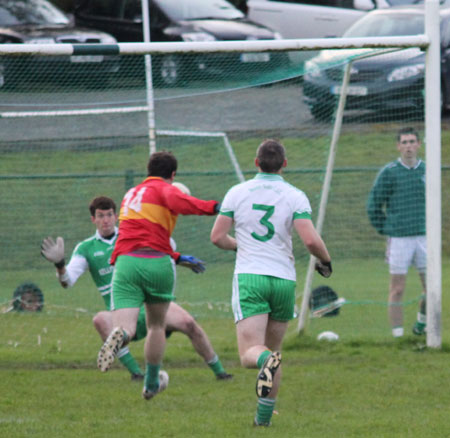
(396, 294)
(189, 327)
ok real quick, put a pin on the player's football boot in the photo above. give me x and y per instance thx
(264, 380)
(110, 348)
(224, 376)
(137, 377)
(419, 328)
(163, 383)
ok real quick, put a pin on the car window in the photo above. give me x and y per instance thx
(329, 3)
(14, 12)
(132, 10)
(103, 8)
(197, 9)
(403, 2)
(387, 25)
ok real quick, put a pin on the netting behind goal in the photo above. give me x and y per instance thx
(70, 135)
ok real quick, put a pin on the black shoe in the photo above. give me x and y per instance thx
(264, 381)
(224, 376)
(137, 377)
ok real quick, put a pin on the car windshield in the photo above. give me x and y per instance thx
(40, 12)
(178, 10)
(387, 25)
(403, 2)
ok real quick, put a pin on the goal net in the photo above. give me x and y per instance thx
(79, 131)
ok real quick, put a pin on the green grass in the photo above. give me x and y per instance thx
(347, 389)
(367, 384)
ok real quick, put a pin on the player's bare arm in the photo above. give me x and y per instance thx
(219, 233)
(315, 245)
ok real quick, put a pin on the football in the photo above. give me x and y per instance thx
(327, 336)
(181, 187)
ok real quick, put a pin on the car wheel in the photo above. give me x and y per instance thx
(322, 112)
(169, 70)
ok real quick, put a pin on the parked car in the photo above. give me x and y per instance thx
(385, 83)
(314, 18)
(40, 22)
(183, 20)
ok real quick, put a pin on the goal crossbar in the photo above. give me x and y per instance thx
(421, 41)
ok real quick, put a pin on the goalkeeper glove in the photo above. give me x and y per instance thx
(323, 268)
(54, 251)
(192, 262)
(217, 207)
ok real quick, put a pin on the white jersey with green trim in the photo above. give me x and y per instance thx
(263, 210)
(94, 253)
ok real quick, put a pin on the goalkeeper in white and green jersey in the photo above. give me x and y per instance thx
(264, 212)
(93, 254)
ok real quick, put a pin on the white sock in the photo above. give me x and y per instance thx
(421, 318)
(397, 332)
(123, 351)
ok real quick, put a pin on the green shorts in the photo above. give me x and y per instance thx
(258, 294)
(138, 280)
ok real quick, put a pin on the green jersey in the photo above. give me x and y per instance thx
(396, 204)
(94, 253)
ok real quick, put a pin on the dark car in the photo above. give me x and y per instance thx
(387, 83)
(40, 22)
(182, 20)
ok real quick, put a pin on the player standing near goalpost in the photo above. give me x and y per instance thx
(94, 254)
(264, 210)
(145, 265)
(396, 208)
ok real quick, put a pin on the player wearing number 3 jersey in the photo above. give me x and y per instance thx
(264, 210)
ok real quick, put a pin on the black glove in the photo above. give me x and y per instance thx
(323, 268)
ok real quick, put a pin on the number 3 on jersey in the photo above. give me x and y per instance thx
(269, 209)
(133, 200)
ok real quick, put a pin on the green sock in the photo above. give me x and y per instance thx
(126, 338)
(262, 358)
(151, 380)
(216, 365)
(264, 410)
(128, 361)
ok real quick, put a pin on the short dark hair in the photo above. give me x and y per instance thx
(407, 131)
(162, 164)
(271, 155)
(101, 203)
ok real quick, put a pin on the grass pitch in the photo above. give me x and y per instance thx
(365, 385)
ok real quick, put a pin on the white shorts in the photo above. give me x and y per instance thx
(403, 252)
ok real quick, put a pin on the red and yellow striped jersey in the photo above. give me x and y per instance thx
(148, 215)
